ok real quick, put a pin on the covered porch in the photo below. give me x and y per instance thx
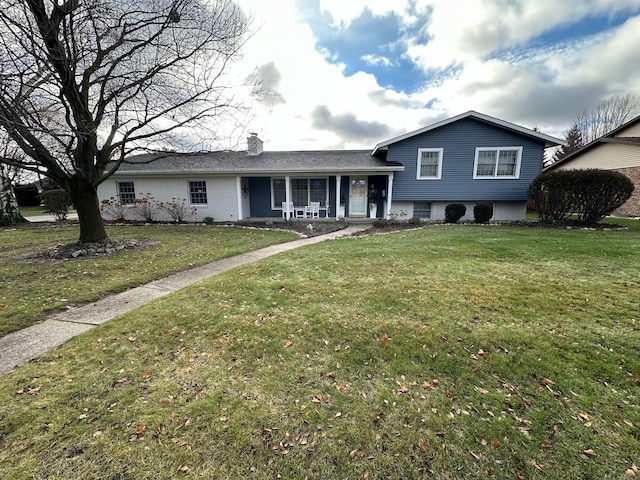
(352, 195)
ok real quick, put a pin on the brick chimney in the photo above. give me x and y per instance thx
(254, 145)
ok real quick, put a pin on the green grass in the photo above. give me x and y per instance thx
(447, 352)
(28, 291)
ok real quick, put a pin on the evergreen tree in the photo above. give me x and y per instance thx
(573, 141)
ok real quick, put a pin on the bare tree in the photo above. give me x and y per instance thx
(84, 83)
(606, 116)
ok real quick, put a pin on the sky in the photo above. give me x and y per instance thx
(348, 74)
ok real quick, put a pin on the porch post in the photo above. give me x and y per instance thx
(287, 189)
(387, 214)
(336, 207)
(239, 197)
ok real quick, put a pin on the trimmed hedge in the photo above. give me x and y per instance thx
(454, 212)
(482, 212)
(590, 194)
(56, 202)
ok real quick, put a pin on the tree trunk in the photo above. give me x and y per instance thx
(85, 201)
(9, 210)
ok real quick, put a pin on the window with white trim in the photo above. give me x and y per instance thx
(279, 192)
(429, 163)
(303, 191)
(497, 162)
(422, 210)
(198, 192)
(126, 192)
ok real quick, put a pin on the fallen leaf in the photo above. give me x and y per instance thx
(183, 468)
(584, 417)
(288, 343)
(590, 452)
(146, 375)
(141, 429)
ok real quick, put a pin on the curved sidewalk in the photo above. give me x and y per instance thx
(19, 347)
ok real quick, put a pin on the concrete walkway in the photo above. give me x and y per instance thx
(19, 347)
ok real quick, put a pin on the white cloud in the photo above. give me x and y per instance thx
(344, 11)
(542, 85)
(376, 60)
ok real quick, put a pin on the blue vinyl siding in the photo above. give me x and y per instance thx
(260, 196)
(459, 141)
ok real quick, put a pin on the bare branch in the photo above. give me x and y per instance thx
(83, 83)
(606, 116)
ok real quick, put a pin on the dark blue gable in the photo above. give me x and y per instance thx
(459, 141)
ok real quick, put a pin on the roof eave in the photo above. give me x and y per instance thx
(548, 139)
(139, 173)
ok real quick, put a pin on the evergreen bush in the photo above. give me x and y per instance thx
(454, 212)
(590, 194)
(482, 212)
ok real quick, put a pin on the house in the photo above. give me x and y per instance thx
(470, 158)
(618, 150)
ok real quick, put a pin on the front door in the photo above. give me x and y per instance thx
(358, 197)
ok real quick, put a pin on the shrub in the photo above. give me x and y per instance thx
(208, 220)
(178, 210)
(550, 196)
(454, 212)
(600, 192)
(381, 223)
(113, 209)
(415, 221)
(56, 202)
(146, 208)
(482, 212)
(590, 194)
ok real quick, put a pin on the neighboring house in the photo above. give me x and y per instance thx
(470, 158)
(619, 150)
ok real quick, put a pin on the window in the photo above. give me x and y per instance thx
(303, 191)
(126, 192)
(318, 190)
(429, 163)
(278, 187)
(422, 210)
(503, 162)
(198, 192)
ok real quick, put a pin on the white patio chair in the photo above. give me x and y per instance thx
(284, 209)
(313, 210)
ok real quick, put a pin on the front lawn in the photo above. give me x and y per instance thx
(450, 352)
(29, 290)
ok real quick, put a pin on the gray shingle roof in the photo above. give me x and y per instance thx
(233, 163)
